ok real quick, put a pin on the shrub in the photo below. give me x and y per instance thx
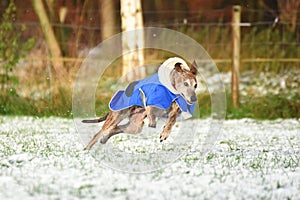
(11, 50)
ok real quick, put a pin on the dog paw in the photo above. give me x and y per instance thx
(163, 137)
(103, 140)
(152, 125)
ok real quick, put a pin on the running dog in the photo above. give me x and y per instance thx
(170, 92)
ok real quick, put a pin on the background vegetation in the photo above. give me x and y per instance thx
(29, 87)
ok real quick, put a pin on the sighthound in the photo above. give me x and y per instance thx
(170, 93)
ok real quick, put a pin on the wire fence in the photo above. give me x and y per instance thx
(265, 45)
(262, 41)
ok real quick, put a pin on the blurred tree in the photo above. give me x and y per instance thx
(57, 11)
(131, 18)
(80, 20)
(288, 12)
(51, 8)
(108, 18)
(3, 5)
(51, 40)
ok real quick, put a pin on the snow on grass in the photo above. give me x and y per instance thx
(253, 84)
(42, 158)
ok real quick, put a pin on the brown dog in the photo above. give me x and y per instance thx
(182, 80)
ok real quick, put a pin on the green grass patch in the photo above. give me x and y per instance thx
(270, 106)
(59, 105)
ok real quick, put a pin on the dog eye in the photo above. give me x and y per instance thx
(195, 85)
(186, 84)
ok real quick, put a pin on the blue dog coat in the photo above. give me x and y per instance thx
(149, 92)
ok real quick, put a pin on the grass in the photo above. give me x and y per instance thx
(270, 106)
(258, 41)
(45, 161)
(15, 104)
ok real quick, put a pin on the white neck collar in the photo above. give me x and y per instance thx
(166, 68)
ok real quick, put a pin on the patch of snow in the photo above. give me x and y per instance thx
(42, 158)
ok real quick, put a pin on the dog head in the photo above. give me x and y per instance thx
(185, 82)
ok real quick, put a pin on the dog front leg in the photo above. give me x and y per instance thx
(171, 121)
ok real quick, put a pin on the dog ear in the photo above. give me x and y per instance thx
(193, 68)
(178, 68)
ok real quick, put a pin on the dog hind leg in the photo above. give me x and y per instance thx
(100, 119)
(111, 122)
(134, 126)
(116, 130)
(136, 121)
(151, 116)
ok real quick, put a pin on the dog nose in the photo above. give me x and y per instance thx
(193, 98)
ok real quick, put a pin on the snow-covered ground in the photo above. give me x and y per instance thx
(42, 158)
(253, 84)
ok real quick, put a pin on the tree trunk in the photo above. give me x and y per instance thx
(80, 22)
(289, 10)
(51, 8)
(51, 41)
(131, 18)
(108, 18)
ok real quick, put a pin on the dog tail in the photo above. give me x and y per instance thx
(101, 119)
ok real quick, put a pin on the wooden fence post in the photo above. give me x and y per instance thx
(236, 39)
